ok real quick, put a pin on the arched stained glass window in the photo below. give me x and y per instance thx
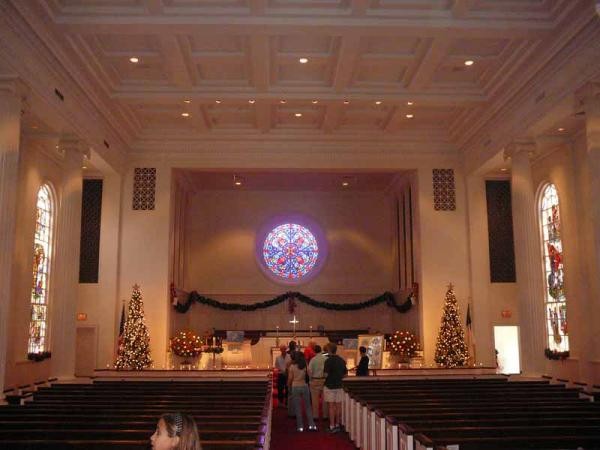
(555, 298)
(42, 254)
(290, 251)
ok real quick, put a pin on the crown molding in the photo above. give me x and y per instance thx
(37, 66)
(573, 66)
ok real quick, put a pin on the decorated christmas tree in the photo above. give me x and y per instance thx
(451, 349)
(135, 354)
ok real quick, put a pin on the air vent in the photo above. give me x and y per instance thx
(59, 95)
(106, 144)
(540, 97)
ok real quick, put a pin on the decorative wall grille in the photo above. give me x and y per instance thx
(91, 213)
(144, 188)
(444, 194)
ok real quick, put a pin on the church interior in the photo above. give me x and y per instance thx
(188, 185)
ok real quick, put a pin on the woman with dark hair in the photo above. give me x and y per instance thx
(299, 389)
(175, 431)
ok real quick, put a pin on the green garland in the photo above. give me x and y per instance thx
(387, 298)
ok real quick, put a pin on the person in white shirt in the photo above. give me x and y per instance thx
(317, 380)
(281, 366)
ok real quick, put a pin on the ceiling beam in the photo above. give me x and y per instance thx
(346, 62)
(332, 119)
(174, 60)
(201, 122)
(260, 61)
(231, 25)
(241, 95)
(428, 64)
(264, 115)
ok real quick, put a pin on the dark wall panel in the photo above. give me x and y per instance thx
(500, 231)
(91, 212)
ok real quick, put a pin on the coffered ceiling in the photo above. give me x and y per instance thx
(376, 69)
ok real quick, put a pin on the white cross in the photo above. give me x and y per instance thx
(294, 321)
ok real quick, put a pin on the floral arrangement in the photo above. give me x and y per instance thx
(403, 344)
(556, 355)
(186, 344)
(37, 357)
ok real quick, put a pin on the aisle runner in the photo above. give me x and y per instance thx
(285, 436)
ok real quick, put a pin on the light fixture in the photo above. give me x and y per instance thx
(345, 184)
(298, 114)
(410, 116)
(409, 103)
(251, 101)
(561, 129)
(187, 101)
(282, 101)
(469, 62)
(134, 60)
(314, 102)
(217, 101)
(303, 60)
(346, 102)
(237, 180)
(503, 169)
(84, 167)
(185, 114)
(35, 127)
(378, 102)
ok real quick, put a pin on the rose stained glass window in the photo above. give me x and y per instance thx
(290, 251)
(555, 298)
(42, 249)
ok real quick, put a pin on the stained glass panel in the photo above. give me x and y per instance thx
(41, 258)
(555, 296)
(290, 251)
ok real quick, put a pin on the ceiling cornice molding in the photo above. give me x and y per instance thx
(550, 86)
(520, 85)
(23, 50)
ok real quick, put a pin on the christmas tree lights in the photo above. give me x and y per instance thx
(135, 354)
(451, 349)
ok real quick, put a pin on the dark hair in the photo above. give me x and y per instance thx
(298, 359)
(332, 348)
(183, 426)
(318, 348)
(292, 346)
(362, 349)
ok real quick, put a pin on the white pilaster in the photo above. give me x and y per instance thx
(589, 98)
(10, 126)
(528, 259)
(66, 263)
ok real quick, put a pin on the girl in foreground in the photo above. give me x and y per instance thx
(175, 431)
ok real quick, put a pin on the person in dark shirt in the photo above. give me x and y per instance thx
(334, 371)
(362, 370)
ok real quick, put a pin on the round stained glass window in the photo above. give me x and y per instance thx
(290, 251)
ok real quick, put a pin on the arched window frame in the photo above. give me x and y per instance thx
(555, 298)
(39, 319)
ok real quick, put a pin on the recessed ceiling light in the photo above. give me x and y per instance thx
(298, 114)
(561, 129)
(409, 103)
(345, 184)
(504, 169)
(378, 102)
(217, 101)
(238, 183)
(185, 114)
(314, 102)
(282, 101)
(469, 62)
(346, 102)
(187, 101)
(84, 167)
(410, 116)
(251, 101)
(303, 60)
(134, 60)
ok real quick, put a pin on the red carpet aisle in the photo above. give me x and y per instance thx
(285, 436)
